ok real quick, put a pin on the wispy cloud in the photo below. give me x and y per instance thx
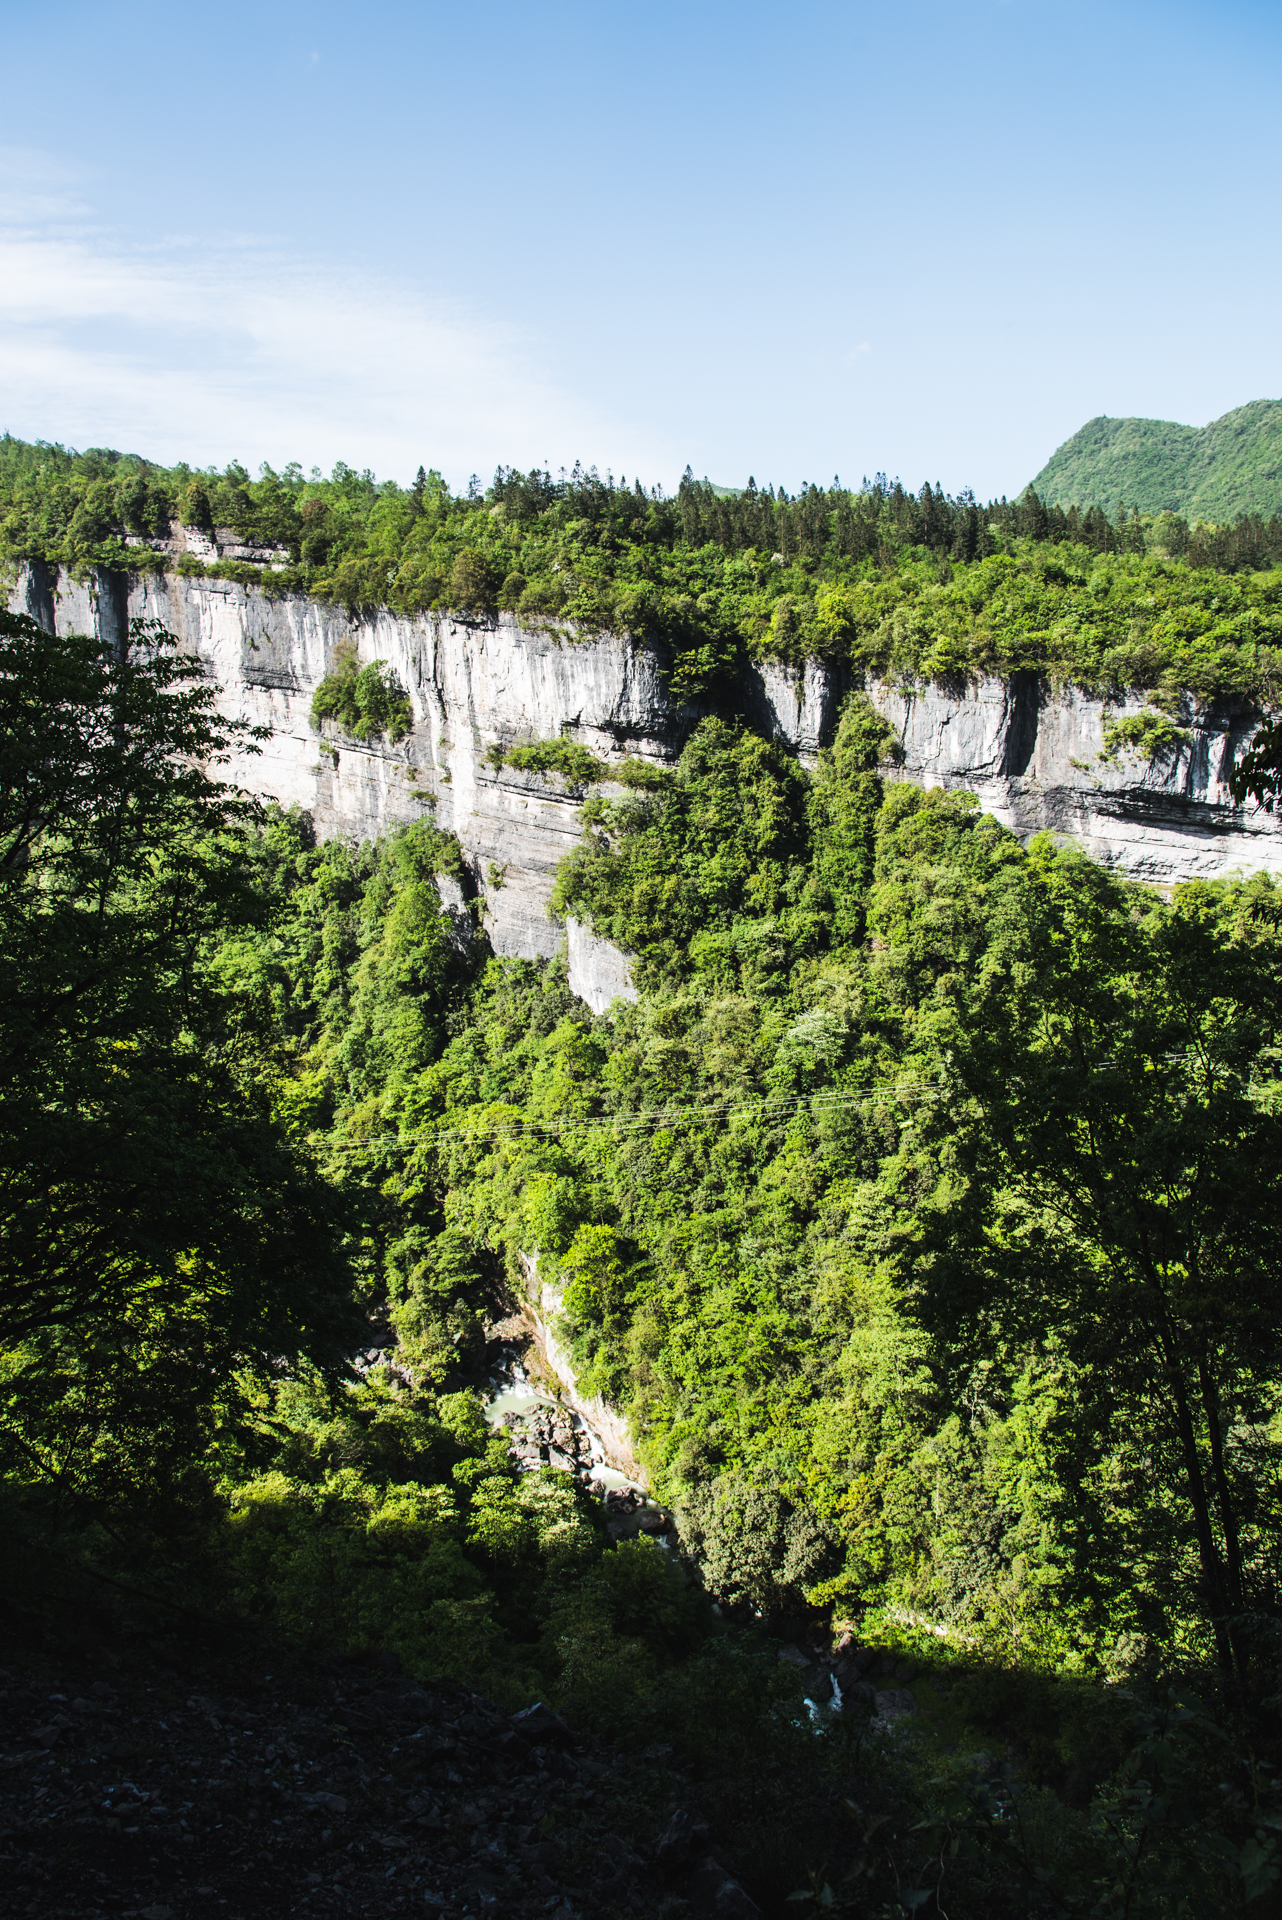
(211, 347)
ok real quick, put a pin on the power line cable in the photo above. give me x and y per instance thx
(623, 1124)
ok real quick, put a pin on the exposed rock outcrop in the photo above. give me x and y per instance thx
(1032, 758)
(540, 1308)
(1030, 753)
(599, 972)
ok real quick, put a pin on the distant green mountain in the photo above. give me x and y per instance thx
(1215, 472)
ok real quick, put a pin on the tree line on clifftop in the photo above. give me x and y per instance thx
(886, 581)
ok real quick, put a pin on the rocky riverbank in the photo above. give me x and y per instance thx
(556, 1438)
(547, 1432)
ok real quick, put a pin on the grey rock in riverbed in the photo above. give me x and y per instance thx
(894, 1703)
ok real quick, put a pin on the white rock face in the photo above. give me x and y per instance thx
(470, 687)
(541, 1307)
(802, 704)
(1032, 760)
(454, 905)
(599, 972)
(1029, 755)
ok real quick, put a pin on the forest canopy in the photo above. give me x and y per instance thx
(886, 580)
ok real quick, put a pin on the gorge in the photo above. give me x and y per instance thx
(825, 1185)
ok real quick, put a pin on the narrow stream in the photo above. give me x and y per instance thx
(543, 1432)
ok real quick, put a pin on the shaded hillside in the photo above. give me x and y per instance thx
(1230, 467)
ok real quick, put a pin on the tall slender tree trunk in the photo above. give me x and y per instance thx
(1224, 1501)
(1219, 1604)
(1208, 1552)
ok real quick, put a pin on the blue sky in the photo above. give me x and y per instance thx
(930, 239)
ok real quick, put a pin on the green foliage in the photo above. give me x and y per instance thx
(146, 1185)
(1214, 472)
(1127, 621)
(1135, 1149)
(393, 1519)
(1258, 774)
(755, 1545)
(165, 1246)
(806, 1243)
(892, 583)
(827, 1237)
(194, 506)
(472, 583)
(365, 701)
(1148, 735)
(920, 1218)
(688, 875)
(577, 767)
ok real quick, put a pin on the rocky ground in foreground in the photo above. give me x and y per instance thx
(337, 1790)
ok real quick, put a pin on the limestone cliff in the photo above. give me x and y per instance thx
(541, 1314)
(1030, 753)
(598, 972)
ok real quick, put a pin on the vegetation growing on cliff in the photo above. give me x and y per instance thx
(850, 1173)
(804, 1196)
(363, 701)
(894, 583)
(186, 1268)
(921, 1214)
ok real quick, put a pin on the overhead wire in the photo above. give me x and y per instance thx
(625, 1124)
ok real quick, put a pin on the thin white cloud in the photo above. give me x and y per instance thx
(209, 348)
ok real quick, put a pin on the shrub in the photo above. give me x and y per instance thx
(574, 763)
(757, 1546)
(542, 596)
(417, 585)
(1146, 735)
(363, 701)
(195, 510)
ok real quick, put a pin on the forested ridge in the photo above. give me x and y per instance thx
(891, 582)
(919, 1218)
(1229, 467)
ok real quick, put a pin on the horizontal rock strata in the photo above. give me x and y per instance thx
(1030, 753)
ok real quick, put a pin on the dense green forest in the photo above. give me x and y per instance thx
(892, 582)
(1230, 467)
(920, 1217)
